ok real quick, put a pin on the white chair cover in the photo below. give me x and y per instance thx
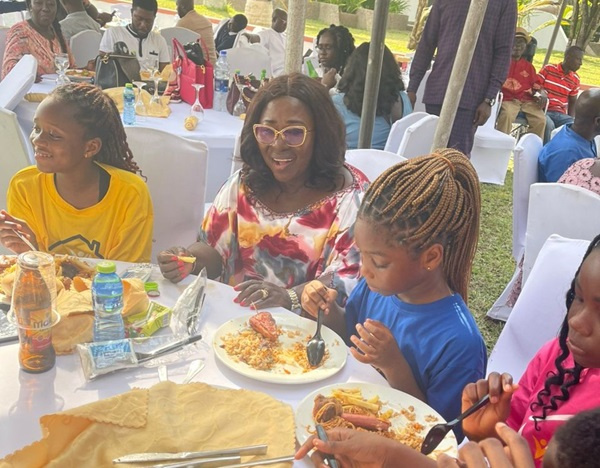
(17, 82)
(555, 131)
(540, 309)
(252, 58)
(183, 35)
(525, 157)
(491, 152)
(177, 185)
(3, 34)
(562, 209)
(418, 137)
(236, 165)
(85, 46)
(14, 155)
(399, 128)
(372, 162)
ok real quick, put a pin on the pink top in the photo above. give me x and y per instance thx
(22, 39)
(579, 173)
(583, 396)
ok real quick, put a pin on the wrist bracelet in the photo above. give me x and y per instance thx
(296, 307)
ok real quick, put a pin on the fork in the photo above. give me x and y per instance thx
(437, 433)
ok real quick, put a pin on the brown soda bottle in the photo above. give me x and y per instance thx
(34, 295)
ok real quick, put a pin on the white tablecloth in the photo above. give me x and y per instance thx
(218, 130)
(25, 397)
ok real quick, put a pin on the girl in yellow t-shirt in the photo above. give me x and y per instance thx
(84, 197)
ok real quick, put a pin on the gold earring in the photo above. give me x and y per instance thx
(428, 268)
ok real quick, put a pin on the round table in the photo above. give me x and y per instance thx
(25, 397)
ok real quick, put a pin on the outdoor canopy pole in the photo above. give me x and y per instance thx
(295, 35)
(555, 32)
(369, 104)
(456, 83)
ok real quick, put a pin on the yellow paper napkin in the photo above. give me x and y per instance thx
(165, 418)
(151, 110)
(35, 97)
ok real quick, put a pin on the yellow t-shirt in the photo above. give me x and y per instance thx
(119, 227)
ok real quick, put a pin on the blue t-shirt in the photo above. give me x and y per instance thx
(381, 126)
(440, 341)
(566, 148)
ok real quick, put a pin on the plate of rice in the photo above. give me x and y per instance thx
(283, 360)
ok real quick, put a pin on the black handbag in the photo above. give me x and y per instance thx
(115, 70)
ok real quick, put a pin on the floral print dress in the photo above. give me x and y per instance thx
(22, 39)
(286, 249)
(580, 174)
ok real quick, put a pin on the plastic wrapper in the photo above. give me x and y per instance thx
(188, 307)
(103, 357)
(147, 323)
(142, 271)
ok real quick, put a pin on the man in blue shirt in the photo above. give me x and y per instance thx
(575, 141)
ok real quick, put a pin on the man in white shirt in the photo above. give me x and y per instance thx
(77, 20)
(273, 40)
(138, 36)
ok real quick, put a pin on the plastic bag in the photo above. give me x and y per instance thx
(187, 309)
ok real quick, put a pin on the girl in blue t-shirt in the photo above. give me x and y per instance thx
(417, 231)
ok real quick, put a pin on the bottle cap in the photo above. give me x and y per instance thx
(128, 85)
(106, 267)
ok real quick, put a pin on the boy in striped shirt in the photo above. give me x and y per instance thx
(561, 83)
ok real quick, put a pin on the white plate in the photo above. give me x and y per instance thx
(289, 322)
(391, 398)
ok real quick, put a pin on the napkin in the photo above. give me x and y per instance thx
(35, 97)
(151, 110)
(165, 418)
(190, 122)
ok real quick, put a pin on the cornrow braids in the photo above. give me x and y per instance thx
(563, 378)
(427, 200)
(99, 115)
(344, 44)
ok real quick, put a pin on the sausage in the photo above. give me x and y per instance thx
(367, 422)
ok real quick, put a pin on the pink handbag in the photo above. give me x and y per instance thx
(191, 73)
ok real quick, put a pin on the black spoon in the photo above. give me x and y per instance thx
(437, 433)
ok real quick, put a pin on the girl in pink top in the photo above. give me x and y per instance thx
(562, 379)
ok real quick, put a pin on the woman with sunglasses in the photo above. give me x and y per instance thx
(287, 216)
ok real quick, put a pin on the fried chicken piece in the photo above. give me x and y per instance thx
(332, 406)
(264, 323)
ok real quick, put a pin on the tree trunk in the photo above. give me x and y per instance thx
(584, 22)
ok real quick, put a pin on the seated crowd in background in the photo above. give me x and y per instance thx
(228, 31)
(192, 20)
(77, 20)
(138, 38)
(392, 101)
(274, 40)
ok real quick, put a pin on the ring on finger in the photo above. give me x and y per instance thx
(264, 292)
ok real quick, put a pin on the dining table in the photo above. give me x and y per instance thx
(25, 397)
(218, 130)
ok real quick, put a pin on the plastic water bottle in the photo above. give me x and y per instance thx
(128, 105)
(107, 297)
(221, 82)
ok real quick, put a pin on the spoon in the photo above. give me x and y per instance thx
(315, 349)
(195, 367)
(437, 433)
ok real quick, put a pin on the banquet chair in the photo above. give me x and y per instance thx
(252, 58)
(540, 309)
(399, 128)
(183, 35)
(563, 209)
(236, 165)
(525, 158)
(14, 155)
(84, 46)
(418, 137)
(3, 34)
(177, 184)
(17, 82)
(491, 149)
(555, 131)
(372, 162)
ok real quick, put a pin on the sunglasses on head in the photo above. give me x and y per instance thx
(294, 135)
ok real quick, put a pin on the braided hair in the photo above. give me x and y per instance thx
(429, 200)
(98, 114)
(343, 42)
(562, 378)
